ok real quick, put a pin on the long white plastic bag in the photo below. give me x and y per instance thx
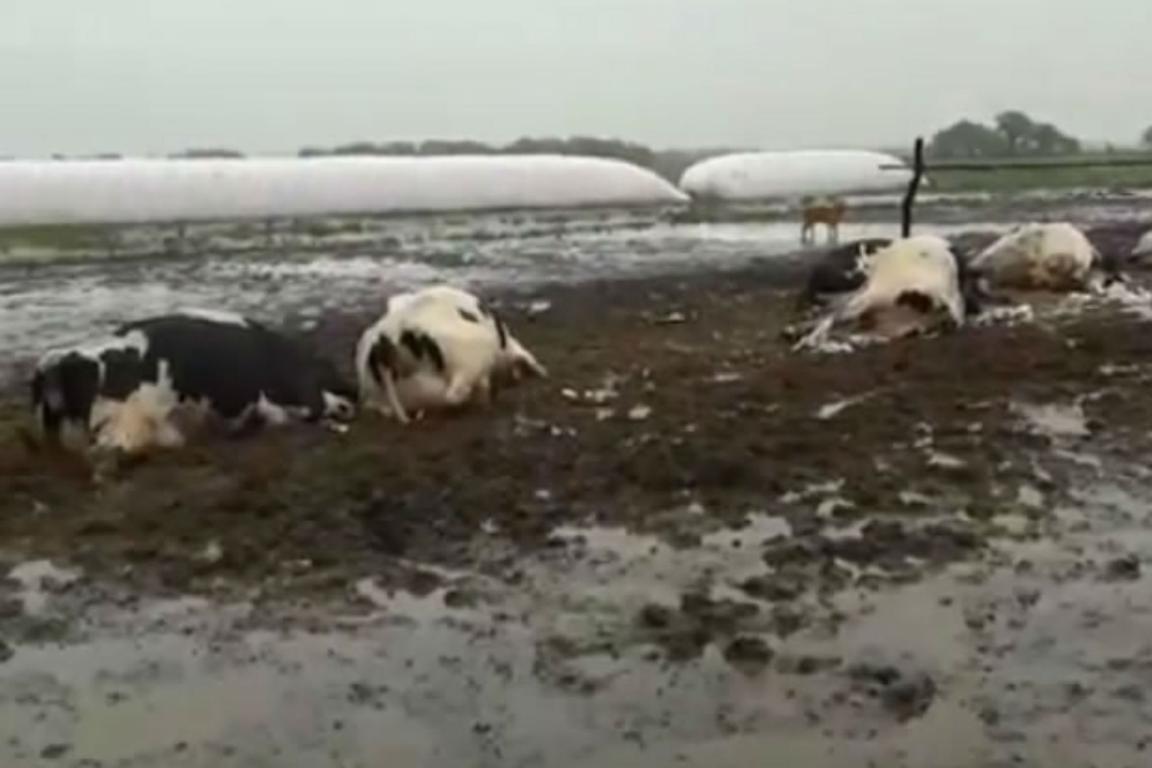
(143, 190)
(749, 176)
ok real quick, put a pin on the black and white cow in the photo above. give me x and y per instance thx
(912, 285)
(842, 271)
(437, 348)
(153, 380)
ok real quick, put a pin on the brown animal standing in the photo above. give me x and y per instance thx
(828, 213)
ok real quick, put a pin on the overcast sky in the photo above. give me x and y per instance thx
(140, 76)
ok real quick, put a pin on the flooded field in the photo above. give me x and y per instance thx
(689, 547)
(61, 287)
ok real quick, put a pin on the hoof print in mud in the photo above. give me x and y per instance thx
(653, 616)
(1125, 568)
(778, 587)
(906, 695)
(805, 664)
(684, 634)
(749, 653)
(909, 698)
(55, 751)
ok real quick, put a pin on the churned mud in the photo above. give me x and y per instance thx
(689, 546)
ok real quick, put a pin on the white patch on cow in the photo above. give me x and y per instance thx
(338, 407)
(922, 265)
(270, 413)
(92, 350)
(1038, 256)
(214, 315)
(423, 390)
(141, 421)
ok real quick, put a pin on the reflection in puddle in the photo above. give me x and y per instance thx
(207, 689)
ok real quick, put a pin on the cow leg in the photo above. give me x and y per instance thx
(459, 390)
(246, 424)
(394, 399)
(482, 392)
(817, 336)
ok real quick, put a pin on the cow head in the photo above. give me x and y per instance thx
(340, 396)
(517, 363)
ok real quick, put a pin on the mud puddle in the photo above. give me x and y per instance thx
(1036, 652)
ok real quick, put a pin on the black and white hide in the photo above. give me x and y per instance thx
(153, 381)
(841, 271)
(913, 285)
(1054, 257)
(437, 348)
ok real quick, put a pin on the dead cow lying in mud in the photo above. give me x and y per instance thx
(437, 348)
(909, 286)
(154, 380)
(1043, 257)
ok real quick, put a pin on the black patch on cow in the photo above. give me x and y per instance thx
(331, 380)
(382, 357)
(916, 300)
(231, 365)
(1111, 265)
(468, 316)
(841, 270)
(423, 347)
(123, 373)
(970, 287)
(501, 329)
(65, 392)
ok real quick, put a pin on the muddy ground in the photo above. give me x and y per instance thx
(689, 546)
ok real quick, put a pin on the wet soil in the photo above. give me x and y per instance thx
(664, 392)
(684, 493)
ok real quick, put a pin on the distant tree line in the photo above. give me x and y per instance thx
(208, 153)
(670, 164)
(1014, 134)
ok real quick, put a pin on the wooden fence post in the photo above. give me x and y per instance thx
(913, 187)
